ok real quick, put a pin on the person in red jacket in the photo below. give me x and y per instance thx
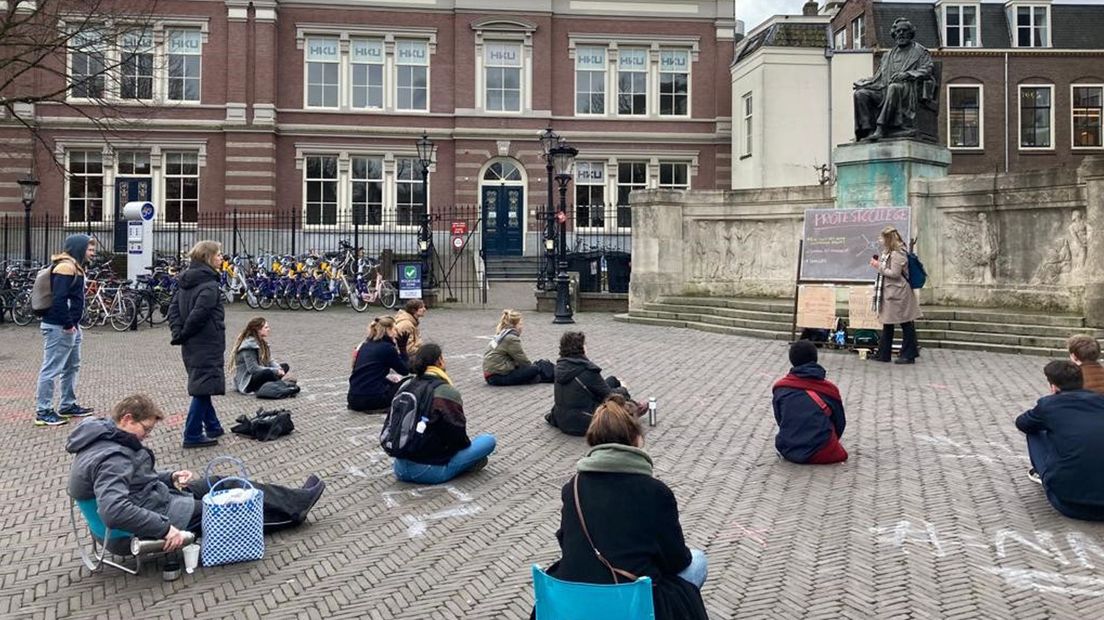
(809, 411)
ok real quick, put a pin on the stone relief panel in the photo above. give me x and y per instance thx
(1063, 261)
(734, 250)
(973, 251)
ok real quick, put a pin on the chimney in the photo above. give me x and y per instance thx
(810, 8)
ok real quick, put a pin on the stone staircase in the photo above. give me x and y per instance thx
(513, 268)
(978, 329)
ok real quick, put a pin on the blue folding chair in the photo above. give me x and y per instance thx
(568, 600)
(104, 539)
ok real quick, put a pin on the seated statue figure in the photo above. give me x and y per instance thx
(886, 104)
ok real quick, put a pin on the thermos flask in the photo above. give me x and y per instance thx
(651, 411)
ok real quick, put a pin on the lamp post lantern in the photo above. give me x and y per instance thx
(549, 140)
(29, 185)
(563, 160)
(426, 152)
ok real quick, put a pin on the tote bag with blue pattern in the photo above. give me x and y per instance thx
(233, 521)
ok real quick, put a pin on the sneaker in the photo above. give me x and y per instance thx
(202, 442)
(478, 465)
(1034, 476)
(215, 434)
(49, 418)
(76, 411)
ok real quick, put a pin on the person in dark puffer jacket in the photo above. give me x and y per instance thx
(809, 411)
(61, 334)
(370, 389)
(579, 387)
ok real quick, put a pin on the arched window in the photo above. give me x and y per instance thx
(502, 171)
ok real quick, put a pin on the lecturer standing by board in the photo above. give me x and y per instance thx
(895, 302)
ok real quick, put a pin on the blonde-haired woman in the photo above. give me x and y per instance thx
(505, 363)
(375, 359)
(196, 319)
(894, 300)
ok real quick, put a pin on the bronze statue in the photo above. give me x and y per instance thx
(887, 104)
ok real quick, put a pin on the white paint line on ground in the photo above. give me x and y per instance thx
(416, 525)
(1046, 581)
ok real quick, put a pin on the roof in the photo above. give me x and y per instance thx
(785, 34)
(1074, 26)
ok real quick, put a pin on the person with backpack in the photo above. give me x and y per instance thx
(895, 303)
(505, 363)
(196, 318)
(426, 430)
(251, 360)
(61, 332)
(579, 387)
(809, 411)
(618, 522)
(375, 359)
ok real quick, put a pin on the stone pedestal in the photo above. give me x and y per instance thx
(1091, 172)
(877, 174)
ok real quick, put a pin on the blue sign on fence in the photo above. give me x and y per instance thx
(410, 280)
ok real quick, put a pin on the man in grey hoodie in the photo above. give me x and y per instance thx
(111, 464)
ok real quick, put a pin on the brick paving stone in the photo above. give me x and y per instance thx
(932, 517)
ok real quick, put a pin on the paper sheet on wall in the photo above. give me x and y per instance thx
(816, 306)
(860, 315)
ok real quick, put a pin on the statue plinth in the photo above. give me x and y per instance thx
(877, 174)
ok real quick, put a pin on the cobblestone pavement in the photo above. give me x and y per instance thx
(933, 517)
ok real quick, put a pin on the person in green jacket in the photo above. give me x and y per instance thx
(505, 363)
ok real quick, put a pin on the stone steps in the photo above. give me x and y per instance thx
(972, 329)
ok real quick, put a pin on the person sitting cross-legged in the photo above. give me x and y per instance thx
(505, 363)
(809, 411)
(1064, 433)
(111, 464)
(579, 387)
(375, 363)
(1084, 351)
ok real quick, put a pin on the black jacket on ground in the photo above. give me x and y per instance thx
(196, 319)
(633, 520)
(578, 390)
(1073, 421)
(374, 360)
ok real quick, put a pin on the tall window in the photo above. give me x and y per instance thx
(181, 187)
(321, 180)
(1035, 116)
(747, 125)
(323, 67)
(674, 175)
(840, 39)
(1087, 108)
(964, 116)
(1032, 27)
(367, 178)
(85, 199)
(86, 58)
(858, 31)
(590, 194)
(502, 67)
(590, 80)
(136, 66)
(630, 175)
(366, 62)
(632, 82)
(412, 60)
(410, 202)
(185, 48)
(674, 82)
(961, 23)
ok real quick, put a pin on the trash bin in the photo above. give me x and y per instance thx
(619, 268)
(589, 268)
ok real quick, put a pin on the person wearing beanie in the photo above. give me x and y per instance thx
(61, 334)
(809, 411)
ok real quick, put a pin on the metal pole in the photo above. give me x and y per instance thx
(234, 241)
(426, 233)
(550, 228)
(27, 204)
(564, 311)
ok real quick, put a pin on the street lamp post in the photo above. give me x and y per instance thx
(426, 151)
(29, 185)
(563, 160)
(549, 139)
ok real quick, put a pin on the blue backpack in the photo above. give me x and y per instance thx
(917, 275)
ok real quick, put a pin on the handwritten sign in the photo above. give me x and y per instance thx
(840, 242)
(860, 314)
(816, 306)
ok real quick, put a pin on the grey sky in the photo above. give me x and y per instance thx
(754, 12)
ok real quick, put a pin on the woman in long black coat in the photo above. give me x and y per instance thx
(631, 517)
(196, 319)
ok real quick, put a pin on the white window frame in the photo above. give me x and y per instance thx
(168, 53)
(105, 191)
(616, 206)
(143, 45)
(428, 77)
(689, 83)
(643, 70)
(416, 181)
(839, 38)
(336, 180)
(165, 176)
(747, 109)
(382, 180)
(680, 186)
(858, 31)
(1019, 118)
(961, 28)
(307, 61)
(981, 117)
(604, 81)
(520, 67)
(368, 43)
(101, 47)
(1073, 135)
(1014, 24)
(591, 164)
(656, 46)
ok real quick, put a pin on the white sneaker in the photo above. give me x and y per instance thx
(1034, 476)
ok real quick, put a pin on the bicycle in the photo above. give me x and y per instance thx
(108, 302)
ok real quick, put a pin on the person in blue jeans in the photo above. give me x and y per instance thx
(61, 334)
(443, 450)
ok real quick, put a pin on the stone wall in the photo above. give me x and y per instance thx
(1024, 240)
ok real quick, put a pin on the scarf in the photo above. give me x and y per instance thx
(616, 458)
(879, 284)
(819, 386)
(439, 373)
(501, 335)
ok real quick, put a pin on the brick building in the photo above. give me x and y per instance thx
(1022, 81)
(313, 107)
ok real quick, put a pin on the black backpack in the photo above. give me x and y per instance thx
(404, 427)
(275, 390)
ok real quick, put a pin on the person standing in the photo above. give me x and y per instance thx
(196, 318)
(407, 336)
(894, 300)
(61, 334)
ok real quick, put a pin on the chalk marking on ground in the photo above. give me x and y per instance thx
(391, 498)
(416, 525)
(1046, 581)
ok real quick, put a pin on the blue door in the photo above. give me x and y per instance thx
(128, 190)
(503, 213)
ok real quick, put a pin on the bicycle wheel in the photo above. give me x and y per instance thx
(356, 299)
(122, 314)
(160, 310)
(388, 295)
(91, 316)
(252, 298)
(265, 300)
(21, 311)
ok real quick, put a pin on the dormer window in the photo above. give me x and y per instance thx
(961, 25)
(1031, 25)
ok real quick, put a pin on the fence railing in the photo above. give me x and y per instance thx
(601, 253)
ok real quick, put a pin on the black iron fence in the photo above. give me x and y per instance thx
(601, 253)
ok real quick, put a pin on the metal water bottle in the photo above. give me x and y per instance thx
(651, 411)
(139, 546)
